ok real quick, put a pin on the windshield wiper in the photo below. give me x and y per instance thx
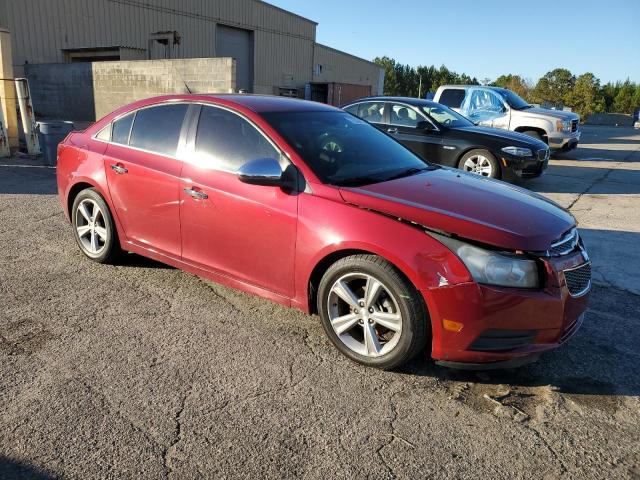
(410, 171)
(358, 181)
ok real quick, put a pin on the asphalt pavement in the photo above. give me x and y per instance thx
(143, 371)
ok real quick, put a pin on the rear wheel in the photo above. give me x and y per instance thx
(480, 162)
(371, 313)
(94, 229)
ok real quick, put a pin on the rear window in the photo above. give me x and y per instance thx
(452, 97)
(121, 129)
(157, 129)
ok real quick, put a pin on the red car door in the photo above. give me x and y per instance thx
(246, 231)
(143, 175)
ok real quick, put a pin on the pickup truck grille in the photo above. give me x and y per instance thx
(574, 125)
(578, 279)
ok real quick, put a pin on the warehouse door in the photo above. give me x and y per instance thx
(237, 43)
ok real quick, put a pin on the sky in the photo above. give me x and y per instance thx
(485, 38)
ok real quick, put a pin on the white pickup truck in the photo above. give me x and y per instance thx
(502, 108)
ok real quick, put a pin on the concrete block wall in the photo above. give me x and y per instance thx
(88, 91)
(118, 83)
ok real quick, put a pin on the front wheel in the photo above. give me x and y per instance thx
(480, 162)
(371, 312)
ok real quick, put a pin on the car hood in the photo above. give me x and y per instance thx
(559, 114)
(503, 136)
(468, 205)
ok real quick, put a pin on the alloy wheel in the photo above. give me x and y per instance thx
(364, 314)
(90, 226)
(478, 164)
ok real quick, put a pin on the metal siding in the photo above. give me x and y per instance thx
(344, 68)
(283, 43)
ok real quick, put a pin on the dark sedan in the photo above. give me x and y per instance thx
(440, 135)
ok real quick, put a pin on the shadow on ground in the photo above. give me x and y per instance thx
(17, 470)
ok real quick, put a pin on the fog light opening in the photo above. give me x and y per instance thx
(452, 326)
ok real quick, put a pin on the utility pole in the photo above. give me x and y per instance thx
(420, 88)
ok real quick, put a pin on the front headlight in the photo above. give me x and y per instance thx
(518, 151)
(563, 126)
(493, 268)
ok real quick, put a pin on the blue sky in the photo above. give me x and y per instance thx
(486, 38)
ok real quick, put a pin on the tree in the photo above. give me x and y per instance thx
(554, 87)
(515, 83)
(609, 92)
(624, 101)
(404, 80)
(586, 97)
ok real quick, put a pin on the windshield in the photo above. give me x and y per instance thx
(445, 116)
(513, 99)
(343, 150)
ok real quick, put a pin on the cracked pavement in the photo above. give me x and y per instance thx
(143, 371)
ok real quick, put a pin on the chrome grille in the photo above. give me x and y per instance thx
(578, 279)
(565, 244)
(574, 125)
(543, 154)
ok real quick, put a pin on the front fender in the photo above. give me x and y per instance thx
(327, 227)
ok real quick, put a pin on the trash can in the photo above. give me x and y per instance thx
(50, 134)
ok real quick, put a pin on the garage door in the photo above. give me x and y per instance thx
(237, 43)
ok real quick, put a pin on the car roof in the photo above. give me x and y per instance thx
(490, 87)
(416, 102)
(268, 103)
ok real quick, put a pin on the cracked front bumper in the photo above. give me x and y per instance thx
(504, 327)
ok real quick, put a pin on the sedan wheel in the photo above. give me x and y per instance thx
(371, 312)
(93, 227)
(364, 315)
(480, 162)
(90, 226)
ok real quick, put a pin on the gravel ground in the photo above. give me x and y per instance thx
(143, 371)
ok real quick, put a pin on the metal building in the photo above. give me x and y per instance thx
(275, 50)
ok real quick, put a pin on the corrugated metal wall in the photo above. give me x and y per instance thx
(284, 48)
(341, 67)
(41, 29)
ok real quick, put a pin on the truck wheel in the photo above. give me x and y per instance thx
(534, 134)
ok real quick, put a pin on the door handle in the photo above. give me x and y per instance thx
(119, 169)
(392, 130)
(197, 194)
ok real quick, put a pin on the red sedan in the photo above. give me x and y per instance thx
(314, 208)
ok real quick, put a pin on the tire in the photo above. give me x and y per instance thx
(481, 162)
(534, 134)
(99, 241)
(397, 304)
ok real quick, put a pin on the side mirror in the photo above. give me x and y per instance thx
(263, 171)
(425, 126)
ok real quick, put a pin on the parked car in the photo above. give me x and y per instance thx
(311, 207)
(440, 135)
(501, 108)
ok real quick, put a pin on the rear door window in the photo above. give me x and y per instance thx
(372, 112)
(452, 97)
(404, 116)
(352, 109)
(121, 129)
(157, 129)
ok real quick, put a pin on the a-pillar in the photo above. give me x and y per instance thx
(7, 88)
